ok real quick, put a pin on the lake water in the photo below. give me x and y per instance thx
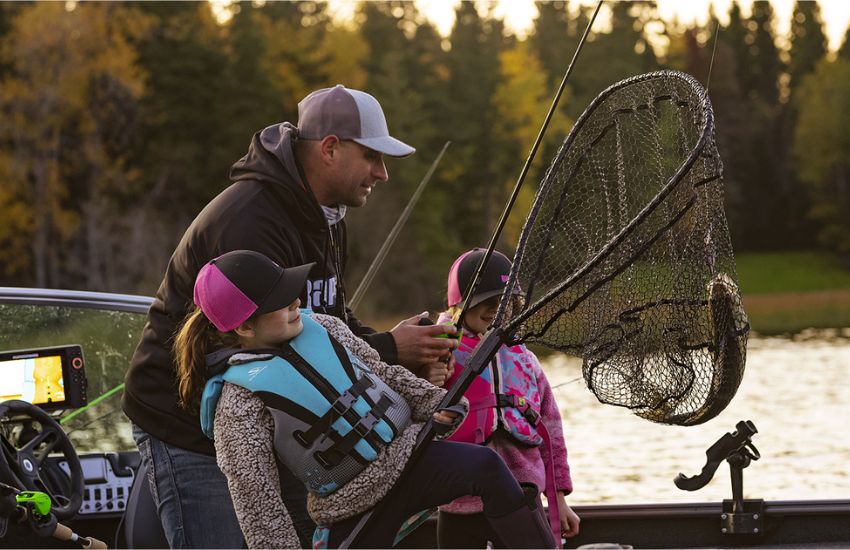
(797, 393)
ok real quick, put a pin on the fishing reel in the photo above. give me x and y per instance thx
(33, 509)
(739, 517)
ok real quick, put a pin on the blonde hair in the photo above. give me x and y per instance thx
(195, 338)
(516, 304)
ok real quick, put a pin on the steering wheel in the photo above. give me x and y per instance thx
(23, 466)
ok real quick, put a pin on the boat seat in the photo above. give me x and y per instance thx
(142, 527)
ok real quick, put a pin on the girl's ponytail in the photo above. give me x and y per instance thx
(195, 338)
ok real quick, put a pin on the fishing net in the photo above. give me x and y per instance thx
(625, 258)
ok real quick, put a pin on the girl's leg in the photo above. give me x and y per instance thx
(463, 531)
(445, 471)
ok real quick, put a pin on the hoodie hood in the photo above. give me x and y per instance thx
(271, 160)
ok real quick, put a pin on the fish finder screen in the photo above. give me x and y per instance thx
(36, 380)
(52, 378)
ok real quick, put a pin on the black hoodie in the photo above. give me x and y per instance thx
(267, 209)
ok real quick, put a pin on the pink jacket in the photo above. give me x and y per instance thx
(526, 462)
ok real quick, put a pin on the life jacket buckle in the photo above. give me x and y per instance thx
(343, 403)
(364, 425)
(522, 405)
(298, 436)
(531, 415)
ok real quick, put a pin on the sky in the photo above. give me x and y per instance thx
(519, 14)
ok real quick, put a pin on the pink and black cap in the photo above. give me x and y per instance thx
(241, 284)
(350, 115)
(491, 283)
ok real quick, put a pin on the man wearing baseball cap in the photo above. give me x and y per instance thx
(288, 199)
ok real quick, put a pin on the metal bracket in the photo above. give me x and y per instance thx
(746, 521)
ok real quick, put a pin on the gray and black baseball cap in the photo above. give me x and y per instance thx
(348, 114)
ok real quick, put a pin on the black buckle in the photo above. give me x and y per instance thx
(298, 435)
(365, 424)
(521, 404)
(532, 416)
(324, 462)
(343, 403)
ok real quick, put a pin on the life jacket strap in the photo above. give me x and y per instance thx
(333, 455)
(339, 408)
(521, 404)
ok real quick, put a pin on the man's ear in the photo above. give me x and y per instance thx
(329, 147)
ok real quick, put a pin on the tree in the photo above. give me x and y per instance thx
(554, 39)
(473, 64)
(522, 100)
(808, 40)
(844, 50)
(405, 69)
(822, 150)
(763, 63)
(72, 70)
(735, 35)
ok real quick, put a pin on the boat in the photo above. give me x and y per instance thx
(95, 334)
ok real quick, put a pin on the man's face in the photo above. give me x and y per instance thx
(357, 170)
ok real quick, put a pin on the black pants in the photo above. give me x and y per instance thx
(445, 471)
(466, 531)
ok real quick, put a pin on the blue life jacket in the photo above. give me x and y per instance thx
(332, 414)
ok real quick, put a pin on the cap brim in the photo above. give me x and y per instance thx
(387, 145)
(287, 288)
(478, 298)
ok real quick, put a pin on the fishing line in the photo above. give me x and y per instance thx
(388, 242)
(473, 284)
(427, 434)
(94, 420)
(713, 52)
(567, 383)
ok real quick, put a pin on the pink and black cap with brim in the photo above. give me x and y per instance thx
(349, 115)
(491, 283)
(242, 284)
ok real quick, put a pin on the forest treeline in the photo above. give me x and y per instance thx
(121, 120)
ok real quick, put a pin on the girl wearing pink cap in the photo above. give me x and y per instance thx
(512, 411)
(276, 384)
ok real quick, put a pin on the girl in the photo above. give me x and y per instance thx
(512, 411)
(275, 381)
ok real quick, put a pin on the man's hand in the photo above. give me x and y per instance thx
(418, 346)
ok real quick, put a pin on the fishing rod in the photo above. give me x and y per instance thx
(473, 284)
(428, 431)
(388, 242)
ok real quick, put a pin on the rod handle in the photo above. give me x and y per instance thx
(63, 532)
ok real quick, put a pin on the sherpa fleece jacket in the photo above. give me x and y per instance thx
(270, 209)
(244, 434)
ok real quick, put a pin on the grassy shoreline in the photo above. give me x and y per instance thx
(783, 292)
(787, 292)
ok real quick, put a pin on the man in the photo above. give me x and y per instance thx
(288, 199)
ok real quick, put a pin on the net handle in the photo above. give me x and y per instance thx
(470, 288)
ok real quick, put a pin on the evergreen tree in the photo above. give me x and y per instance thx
(735, 34)
(402, 69)
(473, 64)
(821, 147)
(764, 65)
(808, 40)
(844, 50)
(615, 55)
(553, 39)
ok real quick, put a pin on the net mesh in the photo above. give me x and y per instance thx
(625, 259)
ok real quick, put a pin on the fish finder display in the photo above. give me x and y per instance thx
(52, 378)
